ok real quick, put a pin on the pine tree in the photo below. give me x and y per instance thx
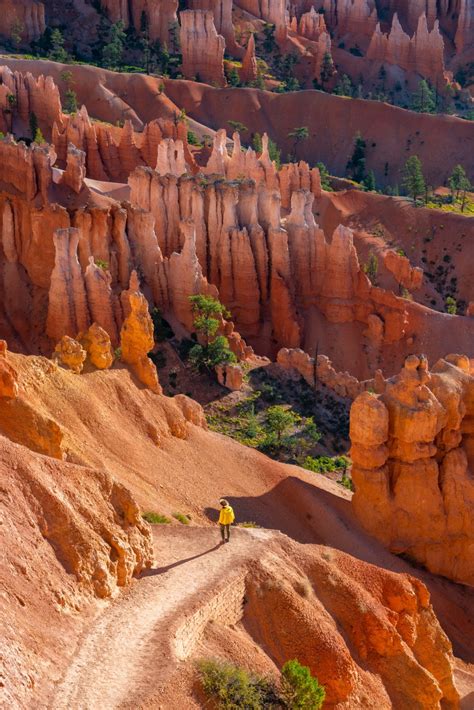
(356, 164)
(70, 104)
(113, 51)
(458, 180)
(369, 182)
(16, 32)
(424, 100)
(344, 87)
(33, 120)
(145, 40)
(413, 180)
(327, 69)
(57, 52)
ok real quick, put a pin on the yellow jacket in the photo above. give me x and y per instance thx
(226, 516)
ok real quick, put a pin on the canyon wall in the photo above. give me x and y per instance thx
(22, 18)
(251, 240)
(159, 16)
(202, 47)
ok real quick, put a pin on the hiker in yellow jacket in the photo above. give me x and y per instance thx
(226, 518)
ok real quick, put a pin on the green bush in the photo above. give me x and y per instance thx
(193, 139)
(326, 464)
(156, 518)
(181, 518)
(299, 689)
(233, 688)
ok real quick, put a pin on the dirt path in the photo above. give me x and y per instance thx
(132, 642)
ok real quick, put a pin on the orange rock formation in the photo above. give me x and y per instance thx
(70, 353)
(136, 337)
(412, 450)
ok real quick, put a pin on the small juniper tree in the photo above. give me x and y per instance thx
(279, 419)
(459, 183)
(39, 138)
(371, 268)
(451, 306)
(233, 76)
(369, 182)
(413, 180)
(299, 689)
(237, 126)
(273, 151)
(325, 177)
(70, 104)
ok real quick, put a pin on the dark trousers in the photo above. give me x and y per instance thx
(225, 531)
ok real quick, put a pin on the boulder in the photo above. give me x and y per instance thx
(70, 353)
(96, 343)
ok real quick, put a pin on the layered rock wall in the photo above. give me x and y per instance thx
(423, 53)
(160, 15)
(202, 47)
(25, 18)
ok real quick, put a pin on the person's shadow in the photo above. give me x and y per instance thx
(161, 570)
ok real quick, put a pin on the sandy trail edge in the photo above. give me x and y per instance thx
(131, 645)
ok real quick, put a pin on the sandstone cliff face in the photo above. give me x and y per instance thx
(26, 16)
(159, 15)
(222, 13)
(275, 12)
(412, 450)
(31, 95)
(249, 71)
(423, 53)
(112, 153)
(68, 313)
(464, 34)
(202, 47)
